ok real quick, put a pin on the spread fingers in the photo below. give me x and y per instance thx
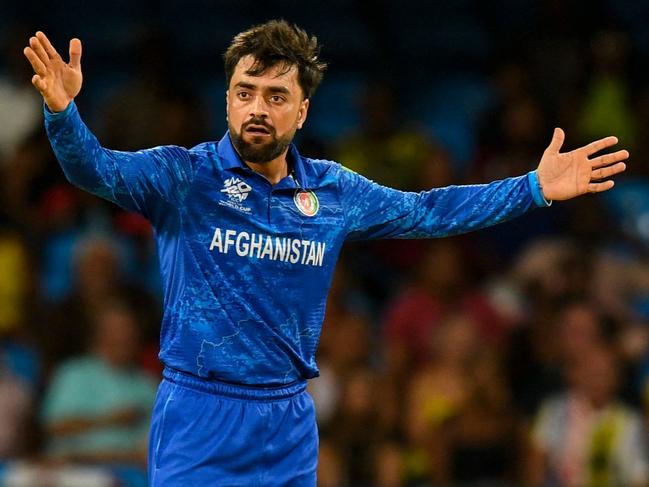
(39, 50)
(34, 60)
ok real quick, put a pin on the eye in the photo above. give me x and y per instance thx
(243, 95)
(277, 99)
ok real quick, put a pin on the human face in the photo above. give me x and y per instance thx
(595, 375)
(116, 337)
(264, 111)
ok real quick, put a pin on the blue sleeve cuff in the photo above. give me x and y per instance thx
(50, 116)
(537, 191)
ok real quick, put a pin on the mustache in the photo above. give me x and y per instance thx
(257, 121)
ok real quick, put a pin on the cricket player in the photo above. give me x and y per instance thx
(248, 232)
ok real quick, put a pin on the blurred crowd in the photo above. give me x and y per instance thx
(518, 355)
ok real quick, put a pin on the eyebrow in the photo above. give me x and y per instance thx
(272, 89)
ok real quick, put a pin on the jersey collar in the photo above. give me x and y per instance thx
(230, 160)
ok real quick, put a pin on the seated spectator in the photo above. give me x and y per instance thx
(458, 419)
(97, 407)
(389, 465)
(355, 430)
(439, 288)
(16, 399)
(586, 436)
(387, 150)
(330, 472)
(607, 106)
(99, 277)
(19, 362)
(548, 290)
(347, 348)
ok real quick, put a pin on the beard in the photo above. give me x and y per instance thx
(259, 151)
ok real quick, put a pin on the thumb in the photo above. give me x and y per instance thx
(557, 141)
(75, 53)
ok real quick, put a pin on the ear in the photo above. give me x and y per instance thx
(302, 113)
(227, 104)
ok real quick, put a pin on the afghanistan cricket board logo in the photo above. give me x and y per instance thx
(307, 202)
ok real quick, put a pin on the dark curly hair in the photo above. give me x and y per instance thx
(278, 43)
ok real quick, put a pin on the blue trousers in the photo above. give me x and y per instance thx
(206, 433)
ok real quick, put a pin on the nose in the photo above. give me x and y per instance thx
(259, 108)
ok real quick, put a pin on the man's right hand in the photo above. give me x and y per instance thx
(59, 82)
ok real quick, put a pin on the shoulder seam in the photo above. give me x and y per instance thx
(195, 172)
(338, 167)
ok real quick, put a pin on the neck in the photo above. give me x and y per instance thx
(107, 358)
(274, 170)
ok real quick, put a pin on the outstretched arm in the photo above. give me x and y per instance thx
(374, 211)
(138, 181)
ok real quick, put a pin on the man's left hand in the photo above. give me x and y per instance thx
(564, 175)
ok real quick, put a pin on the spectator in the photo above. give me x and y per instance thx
(97, 406)
(587, 437)
(389, 465)
(330, 473)
(19, 361)
(348, 347)
(439, 288)
(383, 149)
(355, 430)
(16, 402)
(458, 419)
(606, 107)
(99, 278)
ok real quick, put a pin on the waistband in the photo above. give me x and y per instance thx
(234, 391)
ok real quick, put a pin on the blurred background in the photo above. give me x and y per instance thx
(515, 356)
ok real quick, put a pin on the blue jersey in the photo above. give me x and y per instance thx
(246, 265)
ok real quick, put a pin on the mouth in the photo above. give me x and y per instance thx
(257, 130)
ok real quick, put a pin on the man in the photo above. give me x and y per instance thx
(587, 436)
(248, 232)
(97, 406)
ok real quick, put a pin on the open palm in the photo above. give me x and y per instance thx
(59, 82)
(566, 175)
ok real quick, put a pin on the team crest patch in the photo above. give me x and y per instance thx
(307, 202)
